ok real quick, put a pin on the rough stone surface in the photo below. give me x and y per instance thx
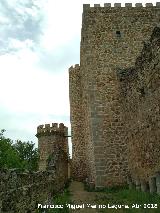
(140, 86)
(22, 192)
(77, 131)
(114, 95)
(152, 185)
(50, 140)
(158, 183)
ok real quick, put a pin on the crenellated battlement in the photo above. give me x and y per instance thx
(108, 5)
(75, 67)
(48, 129)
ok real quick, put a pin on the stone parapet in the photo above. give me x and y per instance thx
(48, 129)
(75, 67)
(108, 5)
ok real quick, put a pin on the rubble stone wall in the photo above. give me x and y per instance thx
(22, 192)
(79, 167)
(140, 87)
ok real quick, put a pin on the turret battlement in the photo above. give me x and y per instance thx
(108, 5)
(48, 129)
(51, 139)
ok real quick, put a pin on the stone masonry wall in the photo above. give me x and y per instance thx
(22, 192)
(140, 86)
(50, 139)
(111, 40)
(77, 116)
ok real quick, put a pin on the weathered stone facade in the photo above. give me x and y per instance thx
(140, 93)
(77, 131)
(22, 192)
(103, 118)
(50, 140)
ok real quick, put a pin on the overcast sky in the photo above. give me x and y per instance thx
(39, 41)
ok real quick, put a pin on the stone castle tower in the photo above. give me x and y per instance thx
(111, 40)
(50, 140)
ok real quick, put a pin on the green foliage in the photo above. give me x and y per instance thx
(137, 197)
(9, 157)
(124, 196)
(28, 154)
(20, 154)
(61, 199)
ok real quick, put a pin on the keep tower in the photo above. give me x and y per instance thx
(111, 40)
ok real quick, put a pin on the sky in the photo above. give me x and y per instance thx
(39, 41)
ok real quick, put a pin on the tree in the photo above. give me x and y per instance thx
(9, 157)
(28, 154)
(20, 154)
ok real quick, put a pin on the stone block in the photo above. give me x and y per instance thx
(157, 4)
(138, 184)
(97, 5)
(100, 182)
(107, 4)
(117, 4)
(144, 186)
(86, 6)
(138, 5)
(158, 183)
(152, 185)
(130, 183)
(128, 4)
(40, 129)
(77, 66)
(47, 127)
(91, 185)
(149, 5)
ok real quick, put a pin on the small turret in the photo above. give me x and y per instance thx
(51, 138)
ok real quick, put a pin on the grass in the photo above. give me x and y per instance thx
(112, 196)
(124, 196)
(62, 198)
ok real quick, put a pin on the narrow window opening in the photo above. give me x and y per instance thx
(118, 33)
(142, 92)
